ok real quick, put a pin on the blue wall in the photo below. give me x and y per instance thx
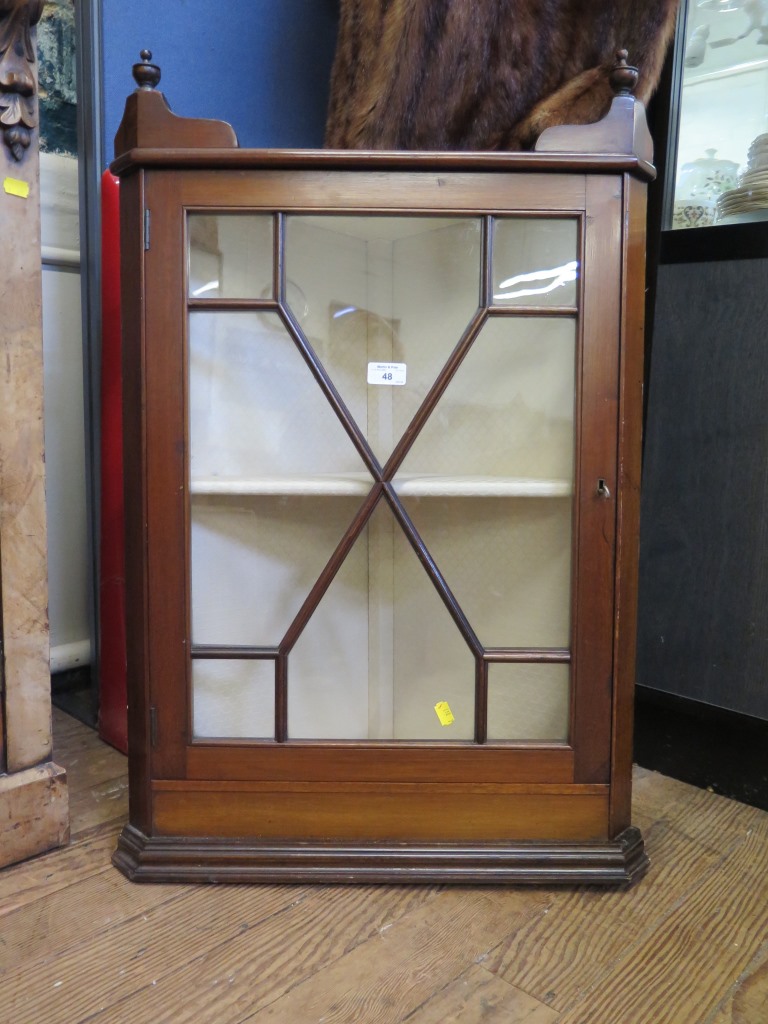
(262, 65)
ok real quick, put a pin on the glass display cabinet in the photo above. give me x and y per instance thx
(382, 418)
(721, 119)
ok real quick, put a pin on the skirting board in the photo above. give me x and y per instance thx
(709, 747)
(34, 812)
(620, 862)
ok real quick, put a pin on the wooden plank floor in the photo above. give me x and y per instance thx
(688, 945)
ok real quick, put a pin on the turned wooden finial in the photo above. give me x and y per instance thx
(623, 77)
(149, 123)
(622, 130)
(146, 75)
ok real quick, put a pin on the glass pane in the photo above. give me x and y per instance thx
(489, 481)
(375, 290)
(432, 662)
(230, 256)
(257, 414)
(233, 699)
(535, 262)
(722, 157)
(380, 651)
(507, 561)
(266, 451)
(528, 702)
(254, 559)
(506, 417)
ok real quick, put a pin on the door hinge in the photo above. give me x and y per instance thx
(153, 727)
(147, 228)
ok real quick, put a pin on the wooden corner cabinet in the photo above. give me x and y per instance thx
(382, 430)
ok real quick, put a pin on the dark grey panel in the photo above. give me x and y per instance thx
(703, 617)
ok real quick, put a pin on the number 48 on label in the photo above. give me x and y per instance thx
(388, 374)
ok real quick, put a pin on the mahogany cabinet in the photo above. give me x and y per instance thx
(382, 425)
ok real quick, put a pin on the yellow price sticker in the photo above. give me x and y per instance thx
(14, 187)
(444, 713)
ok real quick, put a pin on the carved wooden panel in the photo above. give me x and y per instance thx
(18, 73)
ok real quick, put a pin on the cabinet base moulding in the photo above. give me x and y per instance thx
(619, 862)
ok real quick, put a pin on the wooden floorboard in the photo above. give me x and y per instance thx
(554, 946)
(747, 1000)
(267, 959)
(477, 995)
(96, 775)
(687, 945)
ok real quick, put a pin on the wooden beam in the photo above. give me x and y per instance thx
(33, 796)
(34, 812)
(23, 554)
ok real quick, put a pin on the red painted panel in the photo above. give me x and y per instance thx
(113, 724)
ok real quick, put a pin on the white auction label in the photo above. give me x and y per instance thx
(386, 373)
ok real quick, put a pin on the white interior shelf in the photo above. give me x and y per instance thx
(481, 487)
(343, 484)
(406, 486)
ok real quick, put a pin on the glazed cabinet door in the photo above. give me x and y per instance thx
(380, 433)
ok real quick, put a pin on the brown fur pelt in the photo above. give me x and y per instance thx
(484, 74)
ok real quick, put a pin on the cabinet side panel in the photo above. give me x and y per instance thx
(594, 572)
(132, 290)
(628, 512)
